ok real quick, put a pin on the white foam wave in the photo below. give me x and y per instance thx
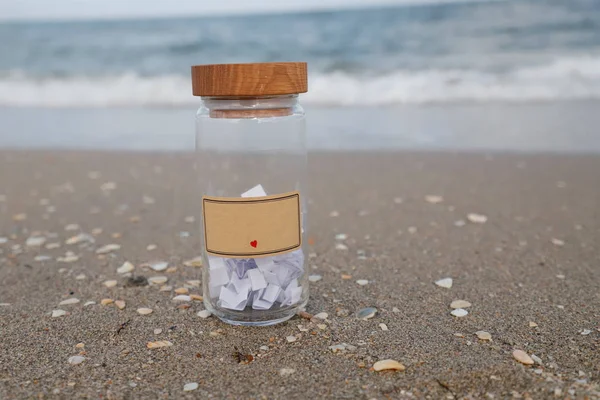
(563, 79)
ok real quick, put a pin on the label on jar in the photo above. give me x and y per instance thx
(252, 227)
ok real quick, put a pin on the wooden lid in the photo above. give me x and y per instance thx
(256, 79)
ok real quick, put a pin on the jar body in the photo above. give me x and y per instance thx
(248, 148)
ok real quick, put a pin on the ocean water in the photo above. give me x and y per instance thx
(463, 52)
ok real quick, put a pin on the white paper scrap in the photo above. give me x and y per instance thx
(256, 191)
(257, 279)
(219, 276)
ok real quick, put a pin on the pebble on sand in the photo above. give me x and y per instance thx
(341, 246)
(109, 248)
(586, 332)
(89, 303)
(483, 335)
(286, 371)
(445, 283)
(151, 247)
(144, 311)
(433, 199)
(459, 312)
(82, 237)
(125, 268)
(182, 290)
(383, 327)
(68, 258)
(66, 302)
(532, 324)
(291, 338)
(58, 313)
(106, 302)
(110, 283)
(321, 315)
(557, 242)
(460, 304)
(314, 278)
(386, 365)
(35, 241)
(362, 282)
(366, 313)
(157, 331)
(204, 314)
(42, 258)
(522, 357)
(477, 218)
(182, 297)
(120, 304)
(158, 344)
(188, 387)
(157, 280)
(159, 266)
(74, 360)
(194, 262)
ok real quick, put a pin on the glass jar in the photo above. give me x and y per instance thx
(252, 166)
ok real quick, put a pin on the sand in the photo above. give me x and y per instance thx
(536, 258)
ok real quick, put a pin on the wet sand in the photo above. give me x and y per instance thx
(535, 259)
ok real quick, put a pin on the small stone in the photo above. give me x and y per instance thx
(188, 387)
(314, 278)
(477, 218)
(158, 280)
(362, 282)
(586, 332)
(80, 277)
(89, 303)
(433, 199)
(264, 348)
(322, 326)
(204, 314)
(151, 247)
(321, 315)
(182, 297)
(557, 242)
(159, 266)
(412, 230)
(459, 335)
(196, 297)
(20, 217)
(459, 223)
(42, 258)
(106, 302)
(383, 327)
(58, 313)
(80, 345)
(82, 237)
(159, 344)
(341, 246)
(120, 304)
(165, 288)
(109, 248)
(395, 309)
(69, 301)
(157, 331)
(286, 371)
(459, 312)
(536, 359)
(445, 283)
(194, 262)
(366, 313)
(182, 290)
(385, 365)
(74, 360)
(68, 258)
(522, 357)
(96, 231)
(483, 335)
(532, 324)
(35, 241)
(346, 277)
(560, 276)
(110, 283)
(144, 311)
(52, 246)
(341, 236)
(125, 268)
(291, 339)
(460, 304)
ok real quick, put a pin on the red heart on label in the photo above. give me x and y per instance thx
(254, 243)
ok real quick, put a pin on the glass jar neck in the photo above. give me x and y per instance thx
(250, 107)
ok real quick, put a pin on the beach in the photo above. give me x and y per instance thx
(518, 233)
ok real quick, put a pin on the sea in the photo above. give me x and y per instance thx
(410, 76)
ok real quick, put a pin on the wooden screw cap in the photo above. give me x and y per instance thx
(256, 79)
